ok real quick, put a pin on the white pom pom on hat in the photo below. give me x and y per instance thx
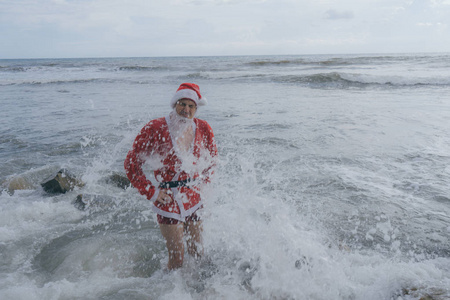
(189, 91)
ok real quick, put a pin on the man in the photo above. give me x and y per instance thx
(181, 151)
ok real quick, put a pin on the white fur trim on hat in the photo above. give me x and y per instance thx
(187, 94)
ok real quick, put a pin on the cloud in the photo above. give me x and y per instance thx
(425, 24)
(333, 14)
(74, 28)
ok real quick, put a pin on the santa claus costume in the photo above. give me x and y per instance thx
(181, 151)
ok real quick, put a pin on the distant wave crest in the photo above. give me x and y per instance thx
(141, 68)
(342, 61)
(12, 69)
(55, 82)
(336, 79)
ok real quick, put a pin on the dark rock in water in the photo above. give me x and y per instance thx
(118, 180)
(61, 183)
(199, 274)
(442, 199)
(247, 270)
(207, 268)
(86, 201)
(303, 263)
(423, 293)
(80, 203)
(17, 183)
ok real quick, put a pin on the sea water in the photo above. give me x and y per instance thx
(332, 183)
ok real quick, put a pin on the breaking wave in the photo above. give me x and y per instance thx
(142, 68)
(344, 80)
(346, 60)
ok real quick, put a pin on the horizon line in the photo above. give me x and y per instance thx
(230, 55)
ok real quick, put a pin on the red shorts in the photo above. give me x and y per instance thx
(170, 221)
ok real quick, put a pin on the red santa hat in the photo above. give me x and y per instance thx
(189, 91)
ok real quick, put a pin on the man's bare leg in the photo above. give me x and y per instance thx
(174, 242)
(194, 241)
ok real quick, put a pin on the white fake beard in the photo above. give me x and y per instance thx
(179, 125)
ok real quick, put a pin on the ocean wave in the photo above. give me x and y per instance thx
(308, 62)
(344, 61)
(276, 62)
(39, 66)
(141, 68)
(304, 62)
(56, 82)
(196, 76)
(337, 79)
(102, 66)
(12, 69)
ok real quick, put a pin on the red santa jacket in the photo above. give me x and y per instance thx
(154, 144)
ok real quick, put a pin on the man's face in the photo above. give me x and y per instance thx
(186, 108)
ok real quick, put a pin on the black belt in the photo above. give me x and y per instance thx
(175, 184)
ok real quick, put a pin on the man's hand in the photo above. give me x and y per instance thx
(164, 197)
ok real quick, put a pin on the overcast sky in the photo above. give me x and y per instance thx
(122, 28)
